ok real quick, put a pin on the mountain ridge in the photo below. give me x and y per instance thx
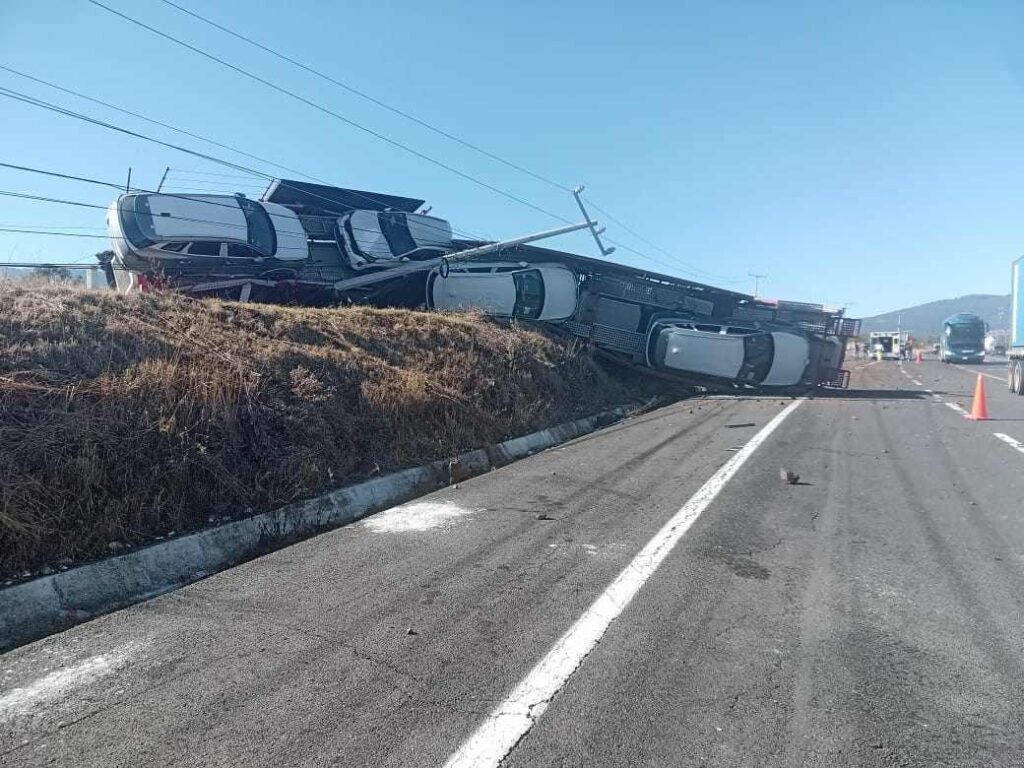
(926, 319)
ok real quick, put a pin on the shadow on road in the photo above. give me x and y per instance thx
(871, 394)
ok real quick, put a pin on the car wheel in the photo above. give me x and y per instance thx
(1018, 378)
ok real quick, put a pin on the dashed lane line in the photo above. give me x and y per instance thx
(981, 373)
(515, 715)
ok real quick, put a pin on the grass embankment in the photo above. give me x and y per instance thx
(127, 418)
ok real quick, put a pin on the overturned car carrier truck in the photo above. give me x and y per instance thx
(315, 244)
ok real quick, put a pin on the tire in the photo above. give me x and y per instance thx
(1017, 378)
(1009, 377)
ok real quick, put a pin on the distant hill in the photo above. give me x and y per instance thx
(926, 319)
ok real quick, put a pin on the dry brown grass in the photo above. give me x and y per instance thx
(124, 418)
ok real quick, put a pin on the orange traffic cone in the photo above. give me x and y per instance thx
(979, 411)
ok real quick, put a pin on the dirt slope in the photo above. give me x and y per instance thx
(125, 418)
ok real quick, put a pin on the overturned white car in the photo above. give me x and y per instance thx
(381, 238)
(547, 292)
(729, 353)
(212, 234)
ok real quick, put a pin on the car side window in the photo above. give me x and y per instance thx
(238, 251)
(204, 248)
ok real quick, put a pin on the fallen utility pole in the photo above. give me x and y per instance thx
(469, 253)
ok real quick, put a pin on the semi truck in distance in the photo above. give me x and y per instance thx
(997, 342)
(963, 339)
(1015, 374)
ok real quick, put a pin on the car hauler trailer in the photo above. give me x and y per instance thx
(620, 307)
(301, 243)
(1015, 374)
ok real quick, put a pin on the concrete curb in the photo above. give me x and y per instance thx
(48, 604)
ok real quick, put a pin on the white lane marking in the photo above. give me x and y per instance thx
(19, 701)
(930, 391)
(981, 373)
(514, 716)
(1015, 444)
(417, 516)
(915, 381)
(956, 408)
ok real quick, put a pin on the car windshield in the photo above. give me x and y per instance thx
(261, 229)
(138, 232)
(758, 350)
(966, 333)
(529, 294)
(396, 232)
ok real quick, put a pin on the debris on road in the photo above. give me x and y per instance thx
(790, 477)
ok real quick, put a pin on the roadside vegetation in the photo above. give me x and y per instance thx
(124, 419)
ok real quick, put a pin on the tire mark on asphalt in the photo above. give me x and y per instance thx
(958, 575)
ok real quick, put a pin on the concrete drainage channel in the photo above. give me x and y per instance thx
(48, 604)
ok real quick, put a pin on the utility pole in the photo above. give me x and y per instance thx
(757, 282)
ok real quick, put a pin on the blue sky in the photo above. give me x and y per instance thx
(862, 153)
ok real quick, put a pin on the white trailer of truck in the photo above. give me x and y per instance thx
(892, 344)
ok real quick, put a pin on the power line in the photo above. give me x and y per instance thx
(424, 124)
(113, 185)
(26, 196)
(103, 207)
(657, 247)
(26, 98)
(372, 99)
(52, 226)
(332, 113)
(211, 173)
(42, 104)
(119, 187)
(80, 204)
(249, 172)
(232, 185)
(48, 232)
(160, 123)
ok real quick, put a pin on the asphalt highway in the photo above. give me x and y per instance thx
(657, 593)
